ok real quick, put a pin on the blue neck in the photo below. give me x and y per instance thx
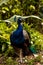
(20, 26)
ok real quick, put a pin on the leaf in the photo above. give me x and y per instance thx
(3, 1)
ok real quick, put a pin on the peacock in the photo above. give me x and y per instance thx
(21, 39)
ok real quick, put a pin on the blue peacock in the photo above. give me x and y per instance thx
(21, 39)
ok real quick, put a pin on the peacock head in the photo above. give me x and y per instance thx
(18, 20)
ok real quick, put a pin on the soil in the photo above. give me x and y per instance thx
(27, 60)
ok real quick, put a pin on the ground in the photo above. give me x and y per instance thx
(37, 59)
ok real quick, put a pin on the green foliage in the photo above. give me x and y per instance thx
(37, 59)
(9, 61)
(10, 7)
(30, 62)
(5, 32)
(36, 37)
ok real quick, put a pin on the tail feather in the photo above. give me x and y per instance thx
(32, 49)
